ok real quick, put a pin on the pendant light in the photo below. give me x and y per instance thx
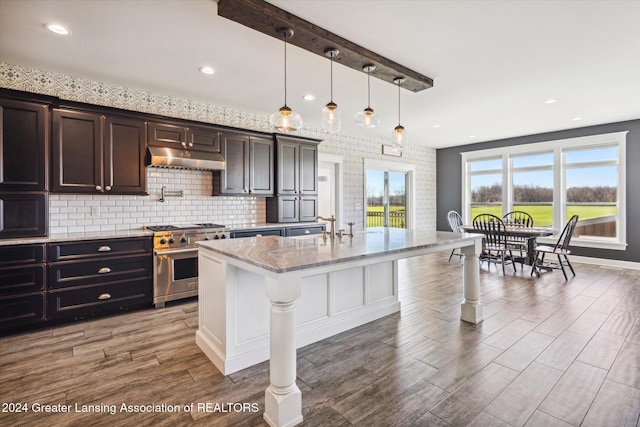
(399, 134)
(368, 118)
(285, 120)
(330, 112)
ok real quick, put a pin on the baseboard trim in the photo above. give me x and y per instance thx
(605, 262)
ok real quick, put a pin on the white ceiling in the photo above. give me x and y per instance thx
(493, 63)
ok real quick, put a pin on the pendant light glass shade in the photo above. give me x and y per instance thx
(399, 135)
(330, 112)
(368, 118)
(285, 120)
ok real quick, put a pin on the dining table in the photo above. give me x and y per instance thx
(529, 233)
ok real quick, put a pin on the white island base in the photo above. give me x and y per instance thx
(314, 289)
(234, 324)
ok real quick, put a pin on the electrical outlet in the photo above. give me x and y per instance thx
(95, 211)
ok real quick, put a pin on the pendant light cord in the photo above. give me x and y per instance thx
(285, 70)
(369, 89)
(331, 80)
(398, 101)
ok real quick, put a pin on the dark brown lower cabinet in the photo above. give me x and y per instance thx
(96, 277)
(22, 286)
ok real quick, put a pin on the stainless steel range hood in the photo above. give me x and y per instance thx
(184, 159)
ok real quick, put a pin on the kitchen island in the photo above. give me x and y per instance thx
(314, 288)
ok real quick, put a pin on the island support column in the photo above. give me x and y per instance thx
(471, 309)
(283, 399)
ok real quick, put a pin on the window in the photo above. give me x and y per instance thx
(553, 181)
(485, 182)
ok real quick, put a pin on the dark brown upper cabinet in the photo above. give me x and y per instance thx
(249, 166)
(296, 181)
(98, 154)
(296, 166)
(23, 145)
(200, 138)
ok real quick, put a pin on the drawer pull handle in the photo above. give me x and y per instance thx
(104, 270)
(104, 249)
(104, 296)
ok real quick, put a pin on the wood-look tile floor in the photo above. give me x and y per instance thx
(549, 353)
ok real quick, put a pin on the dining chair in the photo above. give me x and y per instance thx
(455, 221)
(518, 219)
(494, 243)
(561, 249)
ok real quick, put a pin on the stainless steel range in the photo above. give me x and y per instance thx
(175, 267)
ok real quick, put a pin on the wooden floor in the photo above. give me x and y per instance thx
(549, 353)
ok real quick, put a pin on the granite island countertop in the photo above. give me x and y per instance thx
(283, 254)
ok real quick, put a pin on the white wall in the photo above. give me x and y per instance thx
(76, 213)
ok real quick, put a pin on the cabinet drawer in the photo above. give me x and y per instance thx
(301, 231)
(87, 301)
(21, 310)
(21, 254)
(21, 280)
(78, 273)
(253, 233)
(98, 248)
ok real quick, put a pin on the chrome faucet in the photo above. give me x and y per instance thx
(332, 230)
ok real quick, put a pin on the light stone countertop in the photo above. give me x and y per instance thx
(138, 232)
(283, 254)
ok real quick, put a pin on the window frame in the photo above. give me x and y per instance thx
(558, 147)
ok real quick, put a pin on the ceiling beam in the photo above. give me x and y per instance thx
(267, 18)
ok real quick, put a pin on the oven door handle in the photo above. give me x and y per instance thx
(176, 251)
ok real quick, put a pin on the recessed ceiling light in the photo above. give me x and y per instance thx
(472, 136)
(550, 101)
(58, 29)
(575, 119)
(207, 70)
(309, 97)
(436, 126)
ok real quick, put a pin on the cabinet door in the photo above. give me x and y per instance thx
(288, 168)
(308, 169)
(23, 215)
(288, 209)
(124, 151)
(166, 135)
(261, 166)
(23, 146)
(203, 139)
(234, 179)
(77, 152)
(21, 310)
(308, 208)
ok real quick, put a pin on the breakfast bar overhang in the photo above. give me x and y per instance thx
(315, 288)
